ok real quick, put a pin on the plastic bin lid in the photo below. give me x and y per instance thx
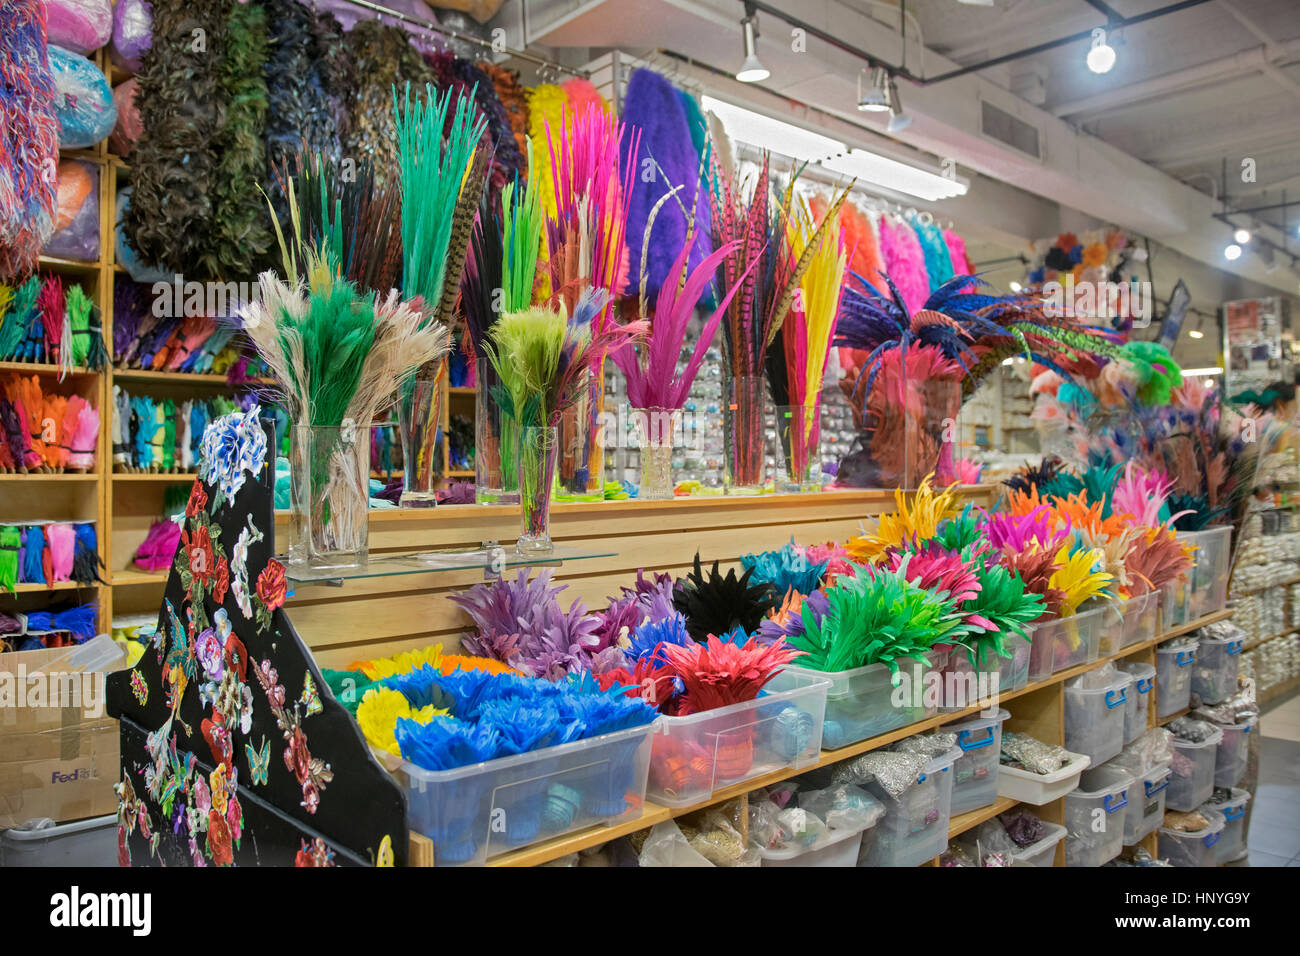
(1169, 647)
(1121, 680)
(1211, 741)
(1138, 670)
(33, 830)
(1239, 798)
(943, 761)
(972, 723)
(1216, 821)
(1104, 779)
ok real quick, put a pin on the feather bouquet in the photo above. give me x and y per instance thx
(717, 604)
(915, 520)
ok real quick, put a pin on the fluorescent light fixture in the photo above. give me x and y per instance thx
(763, 132)
(751, 71)
(1242, 236)
(1101, 56)
(1218, 370)
(1232, 251)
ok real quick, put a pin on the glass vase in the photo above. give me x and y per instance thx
(655, 429)
(419, 419)
(799, 429)
(743, 431)
(538, 454)
(330, 483)
(496, 442)
(582, 442)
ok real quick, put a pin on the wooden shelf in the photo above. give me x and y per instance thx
(573, 842)
(183, 378)
(45, 368)
(1277, 691)
(175, 477)
(460, 474)
(1264, 640)
(461, 390)
(43, 588)
(55, 264)
(1264, 587)
(41, 476)
(973, 818)
(131, 577)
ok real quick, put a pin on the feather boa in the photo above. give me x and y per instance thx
(513, 96)
(961, 264)
(938, 261)
(905, 262)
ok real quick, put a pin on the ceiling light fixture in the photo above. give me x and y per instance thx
(1232, 252)
(751, 71)
(1015, 287)
(876, 99)
(1196, 334)
(1101, 55)
(1242, 236)
(898, 120)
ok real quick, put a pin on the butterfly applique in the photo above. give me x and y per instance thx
(310, 697)
(259, 761)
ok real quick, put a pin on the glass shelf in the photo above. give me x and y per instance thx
(492, 559)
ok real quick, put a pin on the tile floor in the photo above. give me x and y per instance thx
(1274, 836)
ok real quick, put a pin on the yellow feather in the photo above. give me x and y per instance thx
(918, 521)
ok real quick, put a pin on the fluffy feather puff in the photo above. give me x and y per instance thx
(904, 262)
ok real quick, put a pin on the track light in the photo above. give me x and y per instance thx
(876, 98)
(1101, 55)
(751, 71)
(1232, 252)
(898, 120)
(1196, 334)
(1241, 236)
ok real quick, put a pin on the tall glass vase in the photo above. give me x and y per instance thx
(419, 418)
(496, 442)
(744, 400)
(329, 490)
(538, 454)
(655, 429)
(799, 429)
(582, 443)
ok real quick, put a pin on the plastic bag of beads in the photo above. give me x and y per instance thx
(132, 33)
(83, 101)
(82, 26)
(843, 807)
(1029, 753)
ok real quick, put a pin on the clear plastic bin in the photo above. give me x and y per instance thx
(836, 848)
(1094, 718)
(975, 774)
(1096, 838)
(472, 813)
(965, 684)
(1137, 709)
(860, 704)
(91, 842)
(1230, 759)
(1174, 678)
(1192, 780)
(1141, 618)
(1111, 631)
(1174, 602)
(1042, 853)
(1214, 676)
(915, 827)
(1232, 841)
(700, 753)
(1193, 849)
(1067, 642)
(1209, 586)
(1037, 789)
(1146, 804)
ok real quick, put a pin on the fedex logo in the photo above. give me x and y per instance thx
(81, 773)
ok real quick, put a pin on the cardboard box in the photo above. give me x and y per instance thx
(59, 751)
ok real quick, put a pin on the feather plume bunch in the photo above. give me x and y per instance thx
(1001, 608)
(716, 605)
(1078, 578)
(1155, 558)
(719, 673)
(917, 518)
(1016, 532)
(787, 570)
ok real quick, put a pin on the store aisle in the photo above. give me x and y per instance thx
(1274, 837)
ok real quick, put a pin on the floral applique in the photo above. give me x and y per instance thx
(140, 688)
(310, 696)
(272, 585)
(232, 446)
(248, 536)
(315, 853)
(312, 773)
(201, 565)
(132, 814)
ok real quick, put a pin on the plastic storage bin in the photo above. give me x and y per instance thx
(1094, 719)
(859, 702)
(1141, 618)
(1136, 710)
(975, 774)
(965, 684)
(699, 753)
(1042, 853)
(1096, 838)
(836, 848)
(915, 826)
(1192, 780)
(1174, 598)
(1146, 804)
(1111, 631)
(1174, 678)
(1067, 642)
(1209, 585)
(1214, 675)
(1193, 849)
(1230, 759)
(90, 842)
(1037, 789)
(471, 813)
(1232, 841)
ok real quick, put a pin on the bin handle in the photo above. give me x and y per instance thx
(1232, 813)
(1144, 685)
(1212, 839)
(1162, 785)
(965, 743)
(1185, 658)
(1112, 807)
(1123, 696)
(1234, 647)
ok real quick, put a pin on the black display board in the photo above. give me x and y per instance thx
(233, 750)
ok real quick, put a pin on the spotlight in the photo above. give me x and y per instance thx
(1242, 236)
(1101, 56)
(1016, 287)
(1196, 334)
(876, 99)
(1232, 251)
(751, 71)
(898, 120)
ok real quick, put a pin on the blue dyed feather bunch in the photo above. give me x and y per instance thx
(786, 570)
